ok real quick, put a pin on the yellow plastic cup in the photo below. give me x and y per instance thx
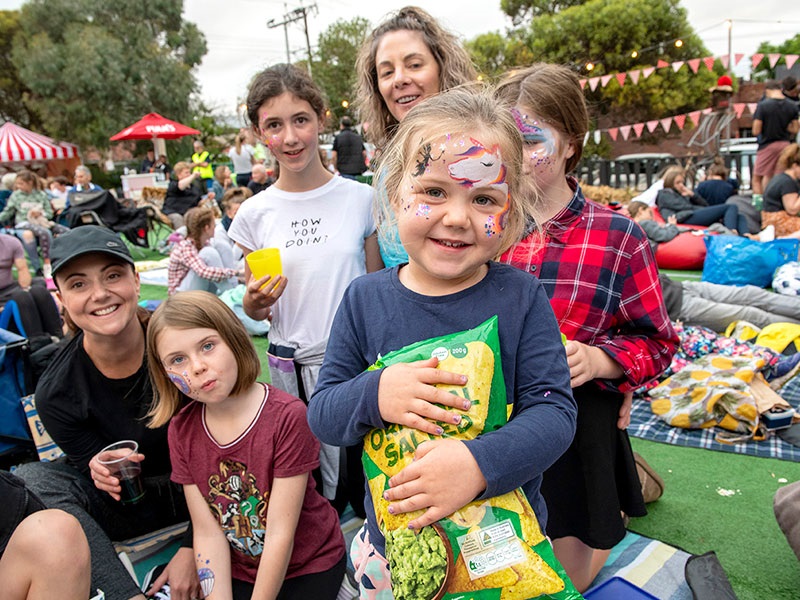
(266, 261)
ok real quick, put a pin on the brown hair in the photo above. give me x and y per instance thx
(197, 219)
(235, 195)
(195, 310)
(635, 207)
(553, 93)
(30, 177)
(466, 111)
(455, 67)
(276, 80)
(219, 173)
(789, 156)
(670, 175)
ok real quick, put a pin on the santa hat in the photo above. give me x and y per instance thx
(724, 84)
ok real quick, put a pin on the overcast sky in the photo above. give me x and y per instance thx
(240, 43)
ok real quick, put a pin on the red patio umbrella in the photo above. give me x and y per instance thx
(152, 126)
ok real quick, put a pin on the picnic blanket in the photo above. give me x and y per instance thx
(654, 566)
(646, 425)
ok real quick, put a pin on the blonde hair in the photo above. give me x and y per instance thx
(553, 93)
(195, 310)
(455, 67)
(459, 110)
(670, 175)
(180, 166)
(635, 207)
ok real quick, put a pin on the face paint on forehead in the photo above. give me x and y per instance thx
(479, 166)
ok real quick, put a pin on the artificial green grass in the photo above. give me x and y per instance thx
(696, 514)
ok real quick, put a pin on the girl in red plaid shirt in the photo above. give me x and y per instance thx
(599, 272)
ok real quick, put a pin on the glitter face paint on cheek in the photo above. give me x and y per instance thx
(181, 381)
(496, 224)
(423, 210)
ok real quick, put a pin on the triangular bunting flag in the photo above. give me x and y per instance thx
(751, 106)
(677, 65)
(634, 75)
(583, 83)
(695, 117)
(706, 111)
(621, 78)
(708, 61)
(666, 123)
(597, 136)
(605, 79)
(661, 64)
(790, 60)
(694, 64)
(680, 121)
(625, 130)
(651, 125)
(586, 137)
(613, 133)
(725, 60)
(647, 71)
(773, 59)
(638, 128)
(593, 81)
(737, 58)
(755, 59)
(738, 108)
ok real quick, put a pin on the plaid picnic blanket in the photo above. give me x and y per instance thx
(646, 425)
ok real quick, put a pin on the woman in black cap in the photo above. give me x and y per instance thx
(95, 392)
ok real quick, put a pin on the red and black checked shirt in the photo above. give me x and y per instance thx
(599, 272)
(184, 258)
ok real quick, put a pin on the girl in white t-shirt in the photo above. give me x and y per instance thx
(323, 226)
(242, 157)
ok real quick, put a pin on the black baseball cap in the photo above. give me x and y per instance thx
(85, 240)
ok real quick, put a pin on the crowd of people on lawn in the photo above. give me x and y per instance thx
(472, 213)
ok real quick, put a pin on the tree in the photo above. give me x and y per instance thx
(522, 10)
(494, 53)
(334, 62)
(605, 33)
(93, 67)
(790, 46)
(12, 90)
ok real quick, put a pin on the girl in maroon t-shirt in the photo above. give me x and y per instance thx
(242, 449)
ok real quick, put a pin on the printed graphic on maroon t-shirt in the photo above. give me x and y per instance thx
(239, 506)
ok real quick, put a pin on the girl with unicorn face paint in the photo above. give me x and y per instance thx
(602, 281)
(454, 175)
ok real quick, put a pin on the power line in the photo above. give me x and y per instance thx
(291, 17)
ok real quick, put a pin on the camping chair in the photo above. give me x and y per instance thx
(14, 384)
(102, 208)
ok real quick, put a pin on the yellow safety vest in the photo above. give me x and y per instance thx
(205, 172)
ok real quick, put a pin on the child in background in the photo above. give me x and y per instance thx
(231, 202)
(243, 452)
(194, 264)
(657, 233)
(322, 225)
(598, 270)
(453, 171)
(716, 188)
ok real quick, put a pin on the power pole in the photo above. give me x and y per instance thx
(291, 17)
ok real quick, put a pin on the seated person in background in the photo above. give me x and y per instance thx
(57, 190)
(37, 308)
(162, 166)
(31, 211)
(223, 181)
(259, 180)
(231, 202)
(717, 306)
(183, 193)
(782, 196)
(716, 188)
(43, 553)
(692, 209)
(656, 232)
(6, 187)
(148, 161)
(194, 264)
(82, 183)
